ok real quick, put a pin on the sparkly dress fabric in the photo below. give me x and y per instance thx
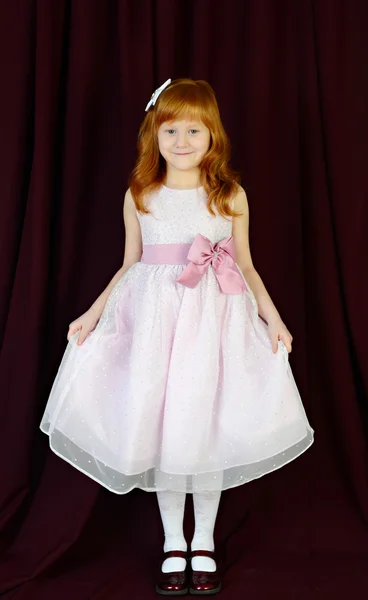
(177, 388)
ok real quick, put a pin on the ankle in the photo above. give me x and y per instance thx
(175, 543)
(202, 543)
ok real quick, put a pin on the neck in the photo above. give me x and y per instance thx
(182, 180)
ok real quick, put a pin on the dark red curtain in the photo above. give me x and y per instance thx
(291, 79)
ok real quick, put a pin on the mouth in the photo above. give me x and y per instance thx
(182, 153)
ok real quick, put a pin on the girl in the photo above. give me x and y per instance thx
(177, 379)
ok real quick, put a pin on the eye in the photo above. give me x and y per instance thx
(170, 131)
(193, 131)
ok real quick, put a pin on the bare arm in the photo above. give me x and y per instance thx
(132, 254)
(266, 308)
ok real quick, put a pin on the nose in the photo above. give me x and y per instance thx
(182, 139)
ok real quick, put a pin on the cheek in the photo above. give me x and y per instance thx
(203, 145)
(162, 144)
(166, 142)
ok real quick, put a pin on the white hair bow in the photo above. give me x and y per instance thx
(156, 94)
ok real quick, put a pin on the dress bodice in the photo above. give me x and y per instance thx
(177, 216)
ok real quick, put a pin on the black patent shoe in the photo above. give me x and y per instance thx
(204, 583)
(175, 583)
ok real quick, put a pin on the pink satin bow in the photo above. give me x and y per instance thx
(222, 258)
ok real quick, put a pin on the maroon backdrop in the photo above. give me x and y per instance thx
(291, 81)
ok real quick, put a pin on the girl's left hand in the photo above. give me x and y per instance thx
(277, 330)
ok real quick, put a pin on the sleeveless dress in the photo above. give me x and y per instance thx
(177, 387)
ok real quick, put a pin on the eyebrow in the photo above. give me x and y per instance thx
(172, 123)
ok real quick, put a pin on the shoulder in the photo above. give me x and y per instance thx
(129, 203)
(128, 196)
(240, 200)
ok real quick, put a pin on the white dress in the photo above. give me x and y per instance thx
(176, 388)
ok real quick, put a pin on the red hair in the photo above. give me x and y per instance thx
(192, 100)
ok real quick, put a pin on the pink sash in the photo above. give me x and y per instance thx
(198, 257)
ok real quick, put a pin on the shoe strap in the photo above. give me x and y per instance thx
(208, 553)
(176, 554)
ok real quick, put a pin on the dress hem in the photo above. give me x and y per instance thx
(157, 488)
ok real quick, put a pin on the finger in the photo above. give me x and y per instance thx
(287, 344)
(275, 345)
(84, 333)
(81, 337)
(72, 331)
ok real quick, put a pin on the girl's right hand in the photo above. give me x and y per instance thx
(85, 324)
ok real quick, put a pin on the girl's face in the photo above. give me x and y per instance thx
(183, 143)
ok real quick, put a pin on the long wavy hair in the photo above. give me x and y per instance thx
(192, 100)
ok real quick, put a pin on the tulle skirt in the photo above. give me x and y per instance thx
(176, 388)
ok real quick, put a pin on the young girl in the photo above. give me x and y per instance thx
(177, 379)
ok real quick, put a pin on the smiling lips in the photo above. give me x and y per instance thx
(182, 154)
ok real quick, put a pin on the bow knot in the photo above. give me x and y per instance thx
(221, 256)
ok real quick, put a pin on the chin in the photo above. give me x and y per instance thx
(190, 163)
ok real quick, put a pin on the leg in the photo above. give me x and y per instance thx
(171, 506)
(205, 512)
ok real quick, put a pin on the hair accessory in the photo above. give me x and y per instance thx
(156, 94)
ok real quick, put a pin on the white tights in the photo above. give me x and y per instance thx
(171, 505)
